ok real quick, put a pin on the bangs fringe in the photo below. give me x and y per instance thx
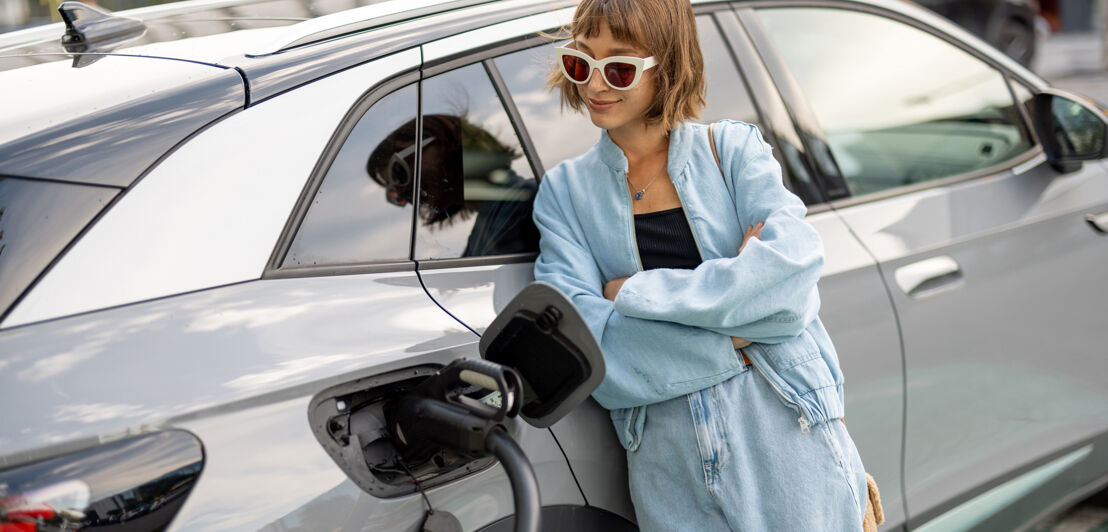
(675, 46)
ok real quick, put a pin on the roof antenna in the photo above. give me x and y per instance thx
(92, 30)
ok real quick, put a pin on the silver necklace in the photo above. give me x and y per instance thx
(640, 191)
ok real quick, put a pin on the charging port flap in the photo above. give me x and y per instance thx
(542, 336)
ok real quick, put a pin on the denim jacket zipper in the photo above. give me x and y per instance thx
(804, 425)
(638, 261)
(631, 216)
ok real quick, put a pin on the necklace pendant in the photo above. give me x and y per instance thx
(638, 195)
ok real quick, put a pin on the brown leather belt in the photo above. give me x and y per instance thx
(745, 360)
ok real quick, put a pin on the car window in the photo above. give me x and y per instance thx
(559, 134)
(898, 106)
(727, 95)
(362, 211)
(37, 220)
(476, 185)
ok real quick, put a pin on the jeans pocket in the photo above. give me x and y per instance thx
(844, 453)
(628, 423)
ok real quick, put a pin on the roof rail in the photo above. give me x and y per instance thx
(51, 32)
(358, 19)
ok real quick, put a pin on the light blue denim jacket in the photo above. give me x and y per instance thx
(668, 332)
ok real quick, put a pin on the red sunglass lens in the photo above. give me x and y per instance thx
(619, 74)
(576, 67)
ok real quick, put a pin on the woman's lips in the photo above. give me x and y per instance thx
(601, 105)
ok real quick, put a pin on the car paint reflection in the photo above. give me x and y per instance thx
(131, 484)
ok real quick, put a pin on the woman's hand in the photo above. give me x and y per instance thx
(611, 288)
(753, 231)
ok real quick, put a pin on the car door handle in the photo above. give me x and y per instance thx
(1098, 221)
(925, 276)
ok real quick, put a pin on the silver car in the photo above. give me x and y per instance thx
(232, 230)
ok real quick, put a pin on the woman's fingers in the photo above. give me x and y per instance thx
(739, 343)
(752, 231)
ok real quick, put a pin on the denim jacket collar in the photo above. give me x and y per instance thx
(681, 139)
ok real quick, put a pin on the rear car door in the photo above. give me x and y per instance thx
(473, 286)
(993, 271)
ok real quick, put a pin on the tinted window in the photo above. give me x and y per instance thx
(563, 134)
(899, 106)
(37, 220)
(727, 94)
(362, 211)
(556, 133)
(476, 186)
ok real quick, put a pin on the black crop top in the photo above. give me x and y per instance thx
(665, 240)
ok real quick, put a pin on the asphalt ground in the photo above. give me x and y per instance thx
(1074, 62)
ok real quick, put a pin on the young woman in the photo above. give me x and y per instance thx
(699, 280)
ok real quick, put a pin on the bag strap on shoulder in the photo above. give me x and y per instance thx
(712, 143)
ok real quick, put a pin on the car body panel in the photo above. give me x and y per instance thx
(181, 230)
(272, 74)
(112, 119)
(856, 310)
(236, 366)
(1025, 378)
(173, 310)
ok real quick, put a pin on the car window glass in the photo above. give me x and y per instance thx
(557, 134)
(37, 221)
(362, 210)
(898, 106)
(727, 95)
(476, 186)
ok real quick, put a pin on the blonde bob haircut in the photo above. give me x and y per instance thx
(665, 29)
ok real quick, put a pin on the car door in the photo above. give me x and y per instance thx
(368, 185)
(855, 305)
(473, 287)
(994, 274)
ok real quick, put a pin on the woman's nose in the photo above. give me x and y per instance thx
(596, 81)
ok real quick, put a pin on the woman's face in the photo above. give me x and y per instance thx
(609, 108)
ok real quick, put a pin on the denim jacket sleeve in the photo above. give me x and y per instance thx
(637, 351)
(767, 293)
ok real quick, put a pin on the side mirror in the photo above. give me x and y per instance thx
(542, 336)
(1071, 129)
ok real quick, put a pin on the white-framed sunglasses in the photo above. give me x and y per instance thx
(620, 72)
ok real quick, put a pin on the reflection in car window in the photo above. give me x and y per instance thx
(37, 221)
(476, 186)
(556, 133)
(898, 105)
(727, 94)
(563, 134)
(362, 210)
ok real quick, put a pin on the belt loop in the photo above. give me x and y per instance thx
(746, 361)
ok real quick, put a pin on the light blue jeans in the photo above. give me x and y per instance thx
(734, 457)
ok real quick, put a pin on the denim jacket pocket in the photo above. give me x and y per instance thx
(629, 423)
(791, 353)
(799, 372)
